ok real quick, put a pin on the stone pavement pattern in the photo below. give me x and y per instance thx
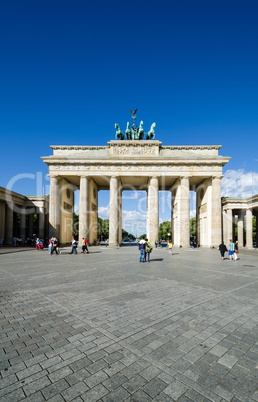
(104, 327)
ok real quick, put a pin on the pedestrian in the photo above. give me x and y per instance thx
(231, 249)
(37, 244)
(148, 250)
(74, 247)
(55, 246)
(236, 251)
(142, 246)
(222, 249)
(50, 246)
(85, 246)
(170, 246)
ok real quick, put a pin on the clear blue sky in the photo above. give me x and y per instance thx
(70, 69)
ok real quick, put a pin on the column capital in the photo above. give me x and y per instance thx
(54, 177)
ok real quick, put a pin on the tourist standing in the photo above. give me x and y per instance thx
(148, 250)
(222, 249)
(231, 249)
(142, 247)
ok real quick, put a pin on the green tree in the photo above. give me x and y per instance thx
(75, 225)
(126, 235)
(193, 227)
(103, 229)
(165, 230)
(143, 236)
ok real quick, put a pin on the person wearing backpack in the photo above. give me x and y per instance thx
(148, 250)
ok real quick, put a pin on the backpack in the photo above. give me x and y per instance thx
(148, 247)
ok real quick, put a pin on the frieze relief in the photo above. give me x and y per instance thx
(136, 168)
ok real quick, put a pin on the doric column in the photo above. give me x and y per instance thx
(224, 225)
(172, 217)
(2, 219)
(256, 238)
(84, 208)
(216, 233)
(184, 212)
(113, 212)
(153, 210)
(41, 216)
(240, 228)
(31, 224)
(54, 207)
(249, 228)
(9, 223)
(229, 223)
(23, 224)
(120, 216)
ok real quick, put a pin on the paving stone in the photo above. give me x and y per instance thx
(115, 381)
(136, 336)
(96, 378)
(95, 394)
(59, 374)
(119, 394)
(37, 385)
(77, 376)
(150, 372)
(29, 371)
(74, 391)
(175, 390)
(55, 389)
(37, 397)
(162, 397)
(154, 387)
(138, 396)
(14, 396)
(228, 360)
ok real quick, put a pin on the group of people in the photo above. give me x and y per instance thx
(84, 245)
(145, 250)
(53, 246)
(232, 250)
(39, 244)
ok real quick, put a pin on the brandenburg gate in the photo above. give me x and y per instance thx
(133, 163)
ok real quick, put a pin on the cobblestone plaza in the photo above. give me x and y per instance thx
(103, 327)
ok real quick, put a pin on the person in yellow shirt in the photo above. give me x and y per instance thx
(148, 250)
(170, 246)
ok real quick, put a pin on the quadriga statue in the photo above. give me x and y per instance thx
(128, 131)
(151, 133)
(119, 133)
(141, 131)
